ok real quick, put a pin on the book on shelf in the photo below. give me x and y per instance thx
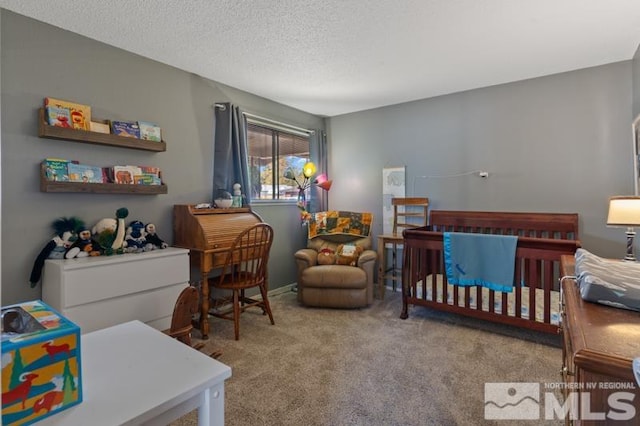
(94, 126)
(127, 129)
(58, 116)
(150, 131)
(149, 170)
(80, 114)
(151, 175)
(106, 175)
(84, 173)
(145, 179)
(125, 174)
(56, 169)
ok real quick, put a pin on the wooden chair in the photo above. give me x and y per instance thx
(186, 306)
(181, 321)
(410, 212)
(245, 267)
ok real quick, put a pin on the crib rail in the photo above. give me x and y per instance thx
(535, 225)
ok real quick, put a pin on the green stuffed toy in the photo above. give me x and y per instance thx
(110, 232)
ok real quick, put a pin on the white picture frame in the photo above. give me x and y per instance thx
(393, 185)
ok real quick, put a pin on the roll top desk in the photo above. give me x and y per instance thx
(208, 234)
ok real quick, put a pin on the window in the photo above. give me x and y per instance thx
(271, 152)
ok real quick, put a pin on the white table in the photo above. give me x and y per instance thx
(133, 374)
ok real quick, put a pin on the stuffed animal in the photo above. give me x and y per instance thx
(135, 237)
(153, 239)
(66, 232)
(104, 232)
(110, 232)
(118, 242)
(84, 246)
(326, 256)
(348, 254)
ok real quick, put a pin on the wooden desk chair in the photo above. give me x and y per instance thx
(186, 306)
(410, 212)
(245, 267)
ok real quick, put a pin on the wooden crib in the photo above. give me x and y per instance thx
(534, 301)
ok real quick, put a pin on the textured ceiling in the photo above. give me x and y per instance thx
(330, 57)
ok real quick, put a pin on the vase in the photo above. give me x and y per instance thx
(302, 197)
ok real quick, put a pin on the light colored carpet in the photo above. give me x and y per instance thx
(369, 367)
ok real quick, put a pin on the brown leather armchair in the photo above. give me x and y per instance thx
(335, 286)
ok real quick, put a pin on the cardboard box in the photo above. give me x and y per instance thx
(41, 369)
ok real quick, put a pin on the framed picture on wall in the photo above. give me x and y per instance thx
(393, 185)
(636, 153)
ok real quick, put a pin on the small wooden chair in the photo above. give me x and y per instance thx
(186, 306)
(410, 212)
(245, 267)
(181, 321)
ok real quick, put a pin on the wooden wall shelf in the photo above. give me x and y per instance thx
(98, 188)
(101, 188)
(83, 136)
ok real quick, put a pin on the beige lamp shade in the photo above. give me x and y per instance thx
(624, 211)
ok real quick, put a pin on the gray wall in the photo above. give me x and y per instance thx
(560, 143)
(636, 83)
(40, 60)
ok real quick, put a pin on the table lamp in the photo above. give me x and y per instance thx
(625, 211)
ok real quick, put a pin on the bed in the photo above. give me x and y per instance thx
(533, 302)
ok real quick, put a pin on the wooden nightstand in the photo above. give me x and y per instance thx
(600, 343)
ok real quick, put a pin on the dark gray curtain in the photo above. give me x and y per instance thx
(319, 200)
(230, 151)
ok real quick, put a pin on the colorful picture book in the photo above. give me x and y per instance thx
(150, 176)
(125, 174)
(145, 180)
(150, 131)
(127, 129)
(58, 116)
(56, 170)
(80, 115)
(137, 175)
(84, 173)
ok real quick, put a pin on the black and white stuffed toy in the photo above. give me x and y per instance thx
(66, 233)
(135, 237)
(153, 238)
(84, 246)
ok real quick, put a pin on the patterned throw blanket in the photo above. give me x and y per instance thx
(335, 222)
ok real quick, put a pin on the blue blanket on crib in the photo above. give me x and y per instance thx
(480, 259)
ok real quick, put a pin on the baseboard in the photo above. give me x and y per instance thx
(277, 291)
(284, 289)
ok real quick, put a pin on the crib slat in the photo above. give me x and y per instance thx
(534, 280)
(517, 287)
(492, 301)
(548, 282)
